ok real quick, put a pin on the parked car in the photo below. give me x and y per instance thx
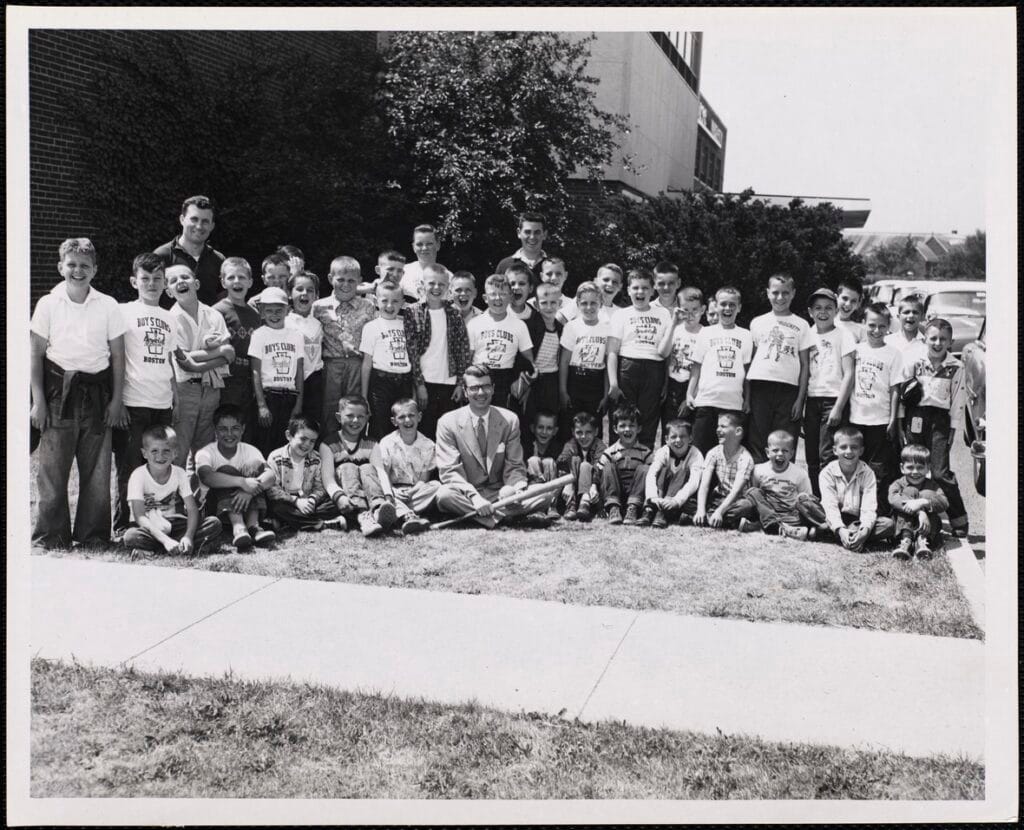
(890, 292)
(974, 408)
(960, 302)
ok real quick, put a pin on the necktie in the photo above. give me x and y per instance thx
(481, 438)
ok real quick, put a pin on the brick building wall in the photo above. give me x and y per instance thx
(65, 63)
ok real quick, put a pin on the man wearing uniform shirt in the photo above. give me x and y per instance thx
(532, 235)
(192, 249)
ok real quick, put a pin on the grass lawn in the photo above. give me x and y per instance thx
(684, 570)
(101, 732)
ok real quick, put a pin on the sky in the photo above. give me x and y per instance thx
(896, 112)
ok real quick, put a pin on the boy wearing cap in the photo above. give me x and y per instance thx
(829, 381)
(275, 357)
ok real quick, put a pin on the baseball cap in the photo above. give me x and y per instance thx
(823, 292)
(273, 295)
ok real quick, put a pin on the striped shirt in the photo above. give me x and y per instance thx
(627, 460)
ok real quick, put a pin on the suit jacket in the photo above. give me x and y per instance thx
(459, 461)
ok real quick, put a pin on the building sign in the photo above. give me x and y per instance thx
(710, 123)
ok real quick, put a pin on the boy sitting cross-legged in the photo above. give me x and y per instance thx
(917, 504)
(165, 511)
(298, 498)
(729, 466)
(674, 477)
(406, 465)
(622, 469)
(349, 476)
(580, 456)
(238, 476)
(849, 494)
(780, 500)
(542, 447)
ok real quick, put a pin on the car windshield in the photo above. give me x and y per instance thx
(959, 303)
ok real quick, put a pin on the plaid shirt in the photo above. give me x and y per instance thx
(417, 339)
(626, 460)
(280, 461)
(572, 449)
(740, 466)
(343, 324)
(901, 491)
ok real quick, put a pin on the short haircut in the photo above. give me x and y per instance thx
(159, 432)
(391, 255)
(236, 262)
(478, 371)
(783, 276)
(297, 422)
(228, 410)
(588, 287)
(276, 258)
(547, 287)
(940, 323)
(544, 413)
(175, 270)
(464, 275)
(401, 403)
(77, 245)
(914, 300)
(850, 434)
(729, 289)
(733, 417)
(853, 284)
(353, 400)
(148, 261)
(666, 267)
(691, 292)
(200, 202)
(345, 265)
(519, 268)
(438, 269)
(387, 285)
(637, 274)
(880, 309)
(626, 412)
(783, 435)
(679, 423)
(584, 419)
(611, 266)
(425, 229)
(498, 282)
(303, 275)
(916, 452)
(530, 216)
(552, 260)
(290, 251)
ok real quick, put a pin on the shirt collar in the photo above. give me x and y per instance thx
(60, 290)
(521, 255)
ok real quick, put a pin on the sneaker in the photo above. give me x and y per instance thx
(793, 532)
(632, 516)
(316, 527)
(414, 525)
(812, 534)
(553, 513)
(138, 554)
(535, 521)
(385, 515)
(922, 550)
(243, 541)
(262, 537)
(646, 518)
(960, 532)
(337, 523)
(584, 512)
(660, 520)
(902, 551)
(615, 515)
(368, 526)
(748, 526)
(685, 520)
(343, 504)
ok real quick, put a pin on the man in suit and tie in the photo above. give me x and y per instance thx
(480, 459)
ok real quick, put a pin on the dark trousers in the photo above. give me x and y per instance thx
(675, 394)
(934, 434)
(880, 455)
(238, 392)
(705, 427)
(615, 491)
(209, 528)
(386, 388)
(313, 397)
(641, 382)
(281, 403)
(127, 446)
(669, 484)
(290, 516)
(544, 396)
(586, 394)
(771, 408)
(503, 380)
(439, 401)
(818, 437)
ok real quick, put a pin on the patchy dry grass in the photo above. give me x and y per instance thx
(101, 732)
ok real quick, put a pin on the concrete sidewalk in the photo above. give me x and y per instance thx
(916, 694)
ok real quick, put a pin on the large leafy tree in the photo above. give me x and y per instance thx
(894, 258)
(964, 262)
(487, 124)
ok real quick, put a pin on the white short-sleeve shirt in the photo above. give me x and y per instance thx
(723, 355)
(639, 332)
(248, 460)
(384, 341)
(150, 338)
(778, 341)
(826, 361)
(495, 343)
(684, 343)
(586, 344)
(278, 351)
(78, 335)
(313, 334)
(167, 497)
(876, 372)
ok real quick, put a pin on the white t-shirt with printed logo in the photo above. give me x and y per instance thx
(278, 351)
(680, 358)
(167, 497)
(639, 332)
(723, 355)
(150, 338)
(495, 343)
(588, 345)
(825, 361)
(384, 341)
(312, 331)
(876, 371)
(779, 341)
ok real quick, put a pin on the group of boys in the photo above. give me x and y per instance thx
(352, 390)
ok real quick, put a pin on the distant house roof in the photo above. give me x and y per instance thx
(926, 253)
(937, 244)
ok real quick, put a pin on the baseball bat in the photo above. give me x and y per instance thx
(515, 498)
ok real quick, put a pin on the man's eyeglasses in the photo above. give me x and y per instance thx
(485, 387)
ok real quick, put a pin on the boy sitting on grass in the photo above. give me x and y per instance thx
(849, 495)
(349, 477)
(238, 476)
(729, 466)
(406, 465)
(917, 504)
(622, 469)
(780, 500)
(580, 456)
(297, 499)
(674, 477)
(165, 511)
(542, 447)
